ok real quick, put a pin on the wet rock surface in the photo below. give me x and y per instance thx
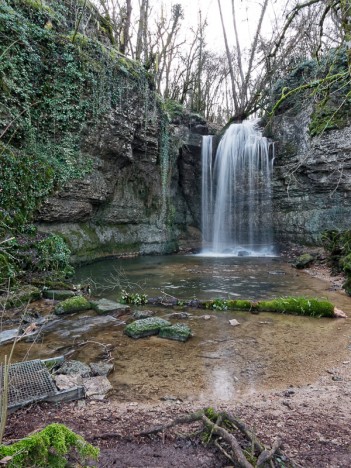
(146, 327)
(106, 306)
(311, 179)
(177, 332)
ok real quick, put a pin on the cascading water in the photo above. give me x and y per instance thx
(236, 193)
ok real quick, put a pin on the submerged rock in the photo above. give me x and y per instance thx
(71, 305)
(143, 314)
(243, 253)
(146, 327)
(180, 315)
(178, 332)
(105, 306)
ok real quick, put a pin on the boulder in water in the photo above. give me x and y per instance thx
(146, 327)
(243, 253)
(71, 305)
(106, 306)
(178, 332)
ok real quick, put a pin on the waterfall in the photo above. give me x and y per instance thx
(207, 191)
(236, 193)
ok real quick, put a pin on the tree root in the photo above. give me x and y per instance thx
(221, 428)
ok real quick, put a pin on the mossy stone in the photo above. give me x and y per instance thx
(178, 332)
(71, 305)
(146, 327)
(57, 294)
(303, 261)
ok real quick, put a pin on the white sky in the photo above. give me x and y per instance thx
(248, 12)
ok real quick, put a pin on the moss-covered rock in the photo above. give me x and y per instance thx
(71, 305)
(299, 306)
(146, 327)
(303, 261)
(178, 332)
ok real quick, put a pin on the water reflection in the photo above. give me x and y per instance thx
(194, 276)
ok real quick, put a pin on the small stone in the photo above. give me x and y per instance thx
(234, 323)
(97, 387)
(65, 382)
(74, 368)
(101, 368)
(143, 314)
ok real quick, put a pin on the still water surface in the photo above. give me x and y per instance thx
(220, 362)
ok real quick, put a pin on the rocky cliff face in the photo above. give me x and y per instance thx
(312, 179)
(139, 196)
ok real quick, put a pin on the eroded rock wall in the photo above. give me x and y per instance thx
(312, 179)
(137, 198)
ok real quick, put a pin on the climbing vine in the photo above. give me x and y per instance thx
(58, 79)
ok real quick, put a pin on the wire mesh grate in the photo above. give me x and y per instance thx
(28, 381)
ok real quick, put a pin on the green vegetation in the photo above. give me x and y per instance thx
(338, 245)
(299, 306)
(52, 90)
(324, 84)
(48, 447)
(133, 298)
(287, 305)
(228, 304)
(72, 304)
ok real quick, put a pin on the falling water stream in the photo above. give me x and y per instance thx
(236, 193)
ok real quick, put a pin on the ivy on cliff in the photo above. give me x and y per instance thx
(52, 91)
(325, 83)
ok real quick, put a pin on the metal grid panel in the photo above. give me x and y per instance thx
(29, 381)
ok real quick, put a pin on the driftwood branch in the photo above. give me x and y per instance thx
(224, 426)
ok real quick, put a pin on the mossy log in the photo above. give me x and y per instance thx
(313, 307)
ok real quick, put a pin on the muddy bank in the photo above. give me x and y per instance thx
(314, 422)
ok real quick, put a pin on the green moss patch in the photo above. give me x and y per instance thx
(224, 304)
(48, 447)
(71, 305)
(146, 327)
(178, 332)
(299, 306)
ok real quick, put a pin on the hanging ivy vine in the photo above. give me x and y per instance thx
(52, 89)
